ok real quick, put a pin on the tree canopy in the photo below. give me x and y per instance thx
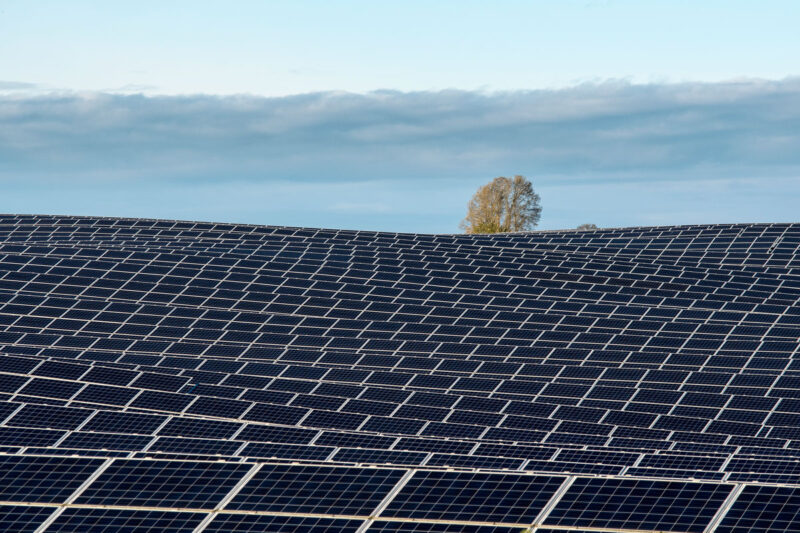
(586, 227)
(503, 205)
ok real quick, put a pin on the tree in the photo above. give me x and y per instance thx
(503, 205)
(586, 227)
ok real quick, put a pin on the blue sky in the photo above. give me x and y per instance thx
(379, 116)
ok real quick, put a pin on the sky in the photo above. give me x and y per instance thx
(388, 116)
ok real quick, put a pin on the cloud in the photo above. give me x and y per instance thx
(408, 161)
(608, 131)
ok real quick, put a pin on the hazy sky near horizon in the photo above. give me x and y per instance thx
(388, 116)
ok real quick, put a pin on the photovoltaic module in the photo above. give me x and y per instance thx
(165, 376)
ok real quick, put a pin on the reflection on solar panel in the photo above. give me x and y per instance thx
(197, 377)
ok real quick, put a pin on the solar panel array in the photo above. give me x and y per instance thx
(187, 377)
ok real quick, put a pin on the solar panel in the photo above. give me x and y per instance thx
(763, 508)
(426, 380)
(141, 482)
(380, 526)
(43, 479)
(77, 520)
(315, 489)
(23, 519)
(243, 523)
(639, 504)
(459, 495)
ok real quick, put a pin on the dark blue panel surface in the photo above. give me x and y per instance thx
(315, 489)
(43, 479)
(139, 482)
(74, 520)
(638, 504)
(760, 509)
(512, 498)
(237, 523)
